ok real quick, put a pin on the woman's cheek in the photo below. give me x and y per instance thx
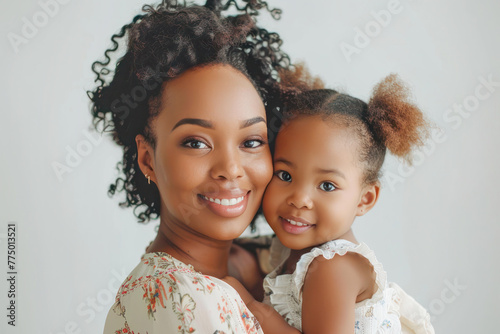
(262, 171)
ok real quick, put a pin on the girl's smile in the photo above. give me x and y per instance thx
(317, 190)
(295, 225)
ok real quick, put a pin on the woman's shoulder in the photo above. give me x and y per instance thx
(160, 274)
(162, 291)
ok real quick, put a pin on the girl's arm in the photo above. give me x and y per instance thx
(270, 320)
(329, 294)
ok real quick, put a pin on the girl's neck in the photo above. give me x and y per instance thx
(293, 258)
(295, 254)
(207, 256)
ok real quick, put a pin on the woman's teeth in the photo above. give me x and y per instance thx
(293, 222)
(225, 201)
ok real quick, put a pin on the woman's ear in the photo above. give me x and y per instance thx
(145, 156)
(369, 197)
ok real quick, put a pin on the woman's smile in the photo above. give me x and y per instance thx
(230, 203)
(212, 160)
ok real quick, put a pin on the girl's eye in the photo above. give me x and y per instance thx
(327, 186)
(284, 176)
(194, 143)
(253, 143)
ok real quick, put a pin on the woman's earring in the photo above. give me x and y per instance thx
(149, 178)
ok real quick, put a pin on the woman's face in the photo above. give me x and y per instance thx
(212, 161)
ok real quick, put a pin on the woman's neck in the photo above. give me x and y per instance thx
(207, 256)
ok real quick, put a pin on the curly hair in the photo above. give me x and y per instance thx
(162, 43)
(390, 120)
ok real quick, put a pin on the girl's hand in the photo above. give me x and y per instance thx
(242, 291)
(270, 320)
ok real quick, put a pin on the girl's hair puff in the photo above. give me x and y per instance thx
(162, 43)
(390, 120)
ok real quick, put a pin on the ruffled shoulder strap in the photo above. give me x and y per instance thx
(340, 247)
(278, 253)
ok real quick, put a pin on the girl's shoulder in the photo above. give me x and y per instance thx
(340, 247)
(357, 260)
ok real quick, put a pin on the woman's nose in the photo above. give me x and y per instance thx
(300, 199)
(227, 165)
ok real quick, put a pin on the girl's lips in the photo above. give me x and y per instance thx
(224, 206)
(292, 225)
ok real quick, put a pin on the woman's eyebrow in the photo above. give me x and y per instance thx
(207, 124)
(195, 121)
(252, 121)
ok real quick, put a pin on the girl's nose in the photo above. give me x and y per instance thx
(300, 199)
(227, 165)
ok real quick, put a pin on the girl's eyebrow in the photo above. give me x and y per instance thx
(207, 124)
(331, 171)
(286, 162)
(318, 170)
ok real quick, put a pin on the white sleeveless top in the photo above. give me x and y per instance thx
(389, 310)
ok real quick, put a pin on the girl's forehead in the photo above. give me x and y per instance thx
(311, 140)
(314, 126)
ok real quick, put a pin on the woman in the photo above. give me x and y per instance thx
(189, 103)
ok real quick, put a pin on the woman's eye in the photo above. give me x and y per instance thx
(284, 176)
(253, 143)
(327, 186)
(193, 143)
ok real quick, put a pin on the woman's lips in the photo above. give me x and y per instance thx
(226, 205)
(295, 225)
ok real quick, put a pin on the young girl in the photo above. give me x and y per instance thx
(327, 163)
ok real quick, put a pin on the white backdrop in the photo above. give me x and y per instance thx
(435, 228)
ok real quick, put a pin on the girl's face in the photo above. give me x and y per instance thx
(212, 161)
(316, 191)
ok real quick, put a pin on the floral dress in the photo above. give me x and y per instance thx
(389, 310)
(165, 295)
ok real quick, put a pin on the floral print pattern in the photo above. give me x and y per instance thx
(163, 294)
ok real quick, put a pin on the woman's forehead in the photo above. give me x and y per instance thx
(214, 93)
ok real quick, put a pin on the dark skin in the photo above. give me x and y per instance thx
(243, 266)
(211, 145)
(318, 182)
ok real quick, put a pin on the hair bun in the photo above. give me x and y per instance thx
(214, 5)
(297, 80)
(394, 120)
